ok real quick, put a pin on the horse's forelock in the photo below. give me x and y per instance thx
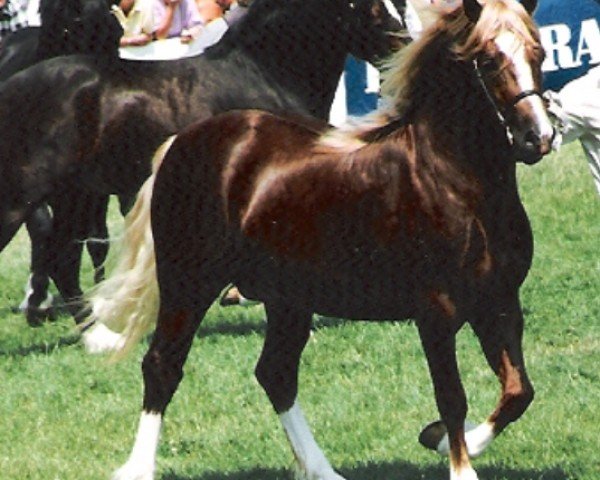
(497, 17)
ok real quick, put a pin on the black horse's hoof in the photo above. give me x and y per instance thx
(37, 316)
(432, 435)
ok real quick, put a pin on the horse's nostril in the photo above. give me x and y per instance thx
(532, 139)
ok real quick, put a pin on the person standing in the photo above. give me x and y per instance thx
(570, 33)
(13, 16)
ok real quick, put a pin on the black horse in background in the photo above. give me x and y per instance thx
(67, 27)
(75, 128)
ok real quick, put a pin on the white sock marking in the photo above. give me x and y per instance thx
(311, 460)
(477, 437)
(141, 462)
(466, 473)
(100, 339)
(45, 305)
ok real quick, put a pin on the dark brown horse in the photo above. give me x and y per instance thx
(414, 214)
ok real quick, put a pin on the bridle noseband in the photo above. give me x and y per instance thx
(503, 113)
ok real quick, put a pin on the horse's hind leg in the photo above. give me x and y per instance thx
(288, 330)
(184, 300)
(65, 262)
(74, 215)
(37, 303)
(97, 238)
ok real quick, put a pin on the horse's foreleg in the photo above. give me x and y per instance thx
(37, 303)
(499, 330)
(500, 333)
(288, 330)
(438, 339)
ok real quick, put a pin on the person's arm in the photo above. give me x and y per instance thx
(194, 21)
(165, 22)
(136, 40)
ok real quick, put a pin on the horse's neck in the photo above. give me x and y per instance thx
(460, 121)
(296, 54)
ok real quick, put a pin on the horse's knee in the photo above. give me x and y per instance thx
(517, 400)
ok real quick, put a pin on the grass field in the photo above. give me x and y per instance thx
(364, 387)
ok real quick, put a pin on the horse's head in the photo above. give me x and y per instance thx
(373, 28)
(507, 56)
(78, 26)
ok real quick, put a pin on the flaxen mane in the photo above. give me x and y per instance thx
(408, 73)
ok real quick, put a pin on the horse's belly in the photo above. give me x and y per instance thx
(362, 294)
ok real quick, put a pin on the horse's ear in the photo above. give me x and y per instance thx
(472, 10)
(529, 5)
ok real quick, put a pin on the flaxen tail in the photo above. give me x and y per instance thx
(125, 305)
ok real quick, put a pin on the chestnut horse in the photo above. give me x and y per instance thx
(414, 214)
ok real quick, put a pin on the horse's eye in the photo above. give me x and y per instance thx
(487, 63)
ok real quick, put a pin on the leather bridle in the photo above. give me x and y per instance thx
(502, 113)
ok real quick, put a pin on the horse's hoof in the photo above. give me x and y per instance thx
(432, 435)
(37, 316)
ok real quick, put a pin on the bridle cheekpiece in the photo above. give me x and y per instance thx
(500, 112)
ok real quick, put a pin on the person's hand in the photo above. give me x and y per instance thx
(186, 36)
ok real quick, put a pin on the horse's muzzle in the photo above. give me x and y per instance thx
(534, 147)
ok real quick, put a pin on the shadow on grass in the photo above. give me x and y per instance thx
(39, 348)
(385, 471)
(238, 324)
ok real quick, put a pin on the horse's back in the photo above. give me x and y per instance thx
(18, 51)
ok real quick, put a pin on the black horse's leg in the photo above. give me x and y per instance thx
(438, 334)
(37, 304)
(126, 203)
(71, 210)
(97, 240)
(288, 330)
